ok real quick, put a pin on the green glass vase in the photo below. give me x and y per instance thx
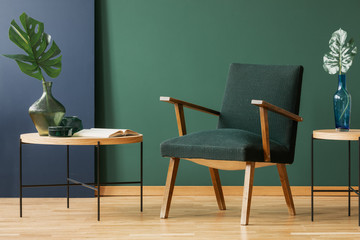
(46, 111)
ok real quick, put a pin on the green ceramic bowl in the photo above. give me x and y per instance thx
(60, 131)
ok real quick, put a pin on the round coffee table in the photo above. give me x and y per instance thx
(333, 134)
(34, 138)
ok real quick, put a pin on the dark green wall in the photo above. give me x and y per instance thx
(146, 49)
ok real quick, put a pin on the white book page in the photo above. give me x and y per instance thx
(100, 132)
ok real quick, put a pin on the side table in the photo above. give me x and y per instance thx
(34, 138)
(333, 134)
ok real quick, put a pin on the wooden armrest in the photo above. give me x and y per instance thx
(264, 107)
(276, 109)
(189, 105)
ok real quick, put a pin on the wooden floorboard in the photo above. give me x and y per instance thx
(194, 217)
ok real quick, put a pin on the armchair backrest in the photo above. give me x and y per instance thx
(278, 85)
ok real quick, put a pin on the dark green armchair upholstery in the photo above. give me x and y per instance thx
(224, 144)
(243, 135)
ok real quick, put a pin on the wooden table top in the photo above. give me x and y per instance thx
(333, 134)
(35, 138)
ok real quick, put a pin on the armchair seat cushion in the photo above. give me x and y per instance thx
(224, 144)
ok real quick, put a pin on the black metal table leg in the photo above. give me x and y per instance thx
(98, 176)
(20, 167)
(312, 178)
(349, 182)
(68, 176)
(141, 176)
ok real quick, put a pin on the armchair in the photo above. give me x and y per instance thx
(247, 137)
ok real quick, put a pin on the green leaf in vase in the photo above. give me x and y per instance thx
(34, 41)
(341, 54)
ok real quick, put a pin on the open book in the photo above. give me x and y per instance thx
(104, 133)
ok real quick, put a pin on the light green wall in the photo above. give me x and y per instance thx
(151, 48)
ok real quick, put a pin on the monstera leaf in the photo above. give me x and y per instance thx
(34, 41)
(341, 54)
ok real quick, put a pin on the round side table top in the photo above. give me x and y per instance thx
(333, 134)
(35, 138)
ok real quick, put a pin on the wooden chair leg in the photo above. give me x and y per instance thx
(247, 193)
(286, 188)
(215, 178)
(169, 188)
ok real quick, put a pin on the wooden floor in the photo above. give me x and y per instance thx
(190, 218)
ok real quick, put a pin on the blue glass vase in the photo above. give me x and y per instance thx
(342, 106)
